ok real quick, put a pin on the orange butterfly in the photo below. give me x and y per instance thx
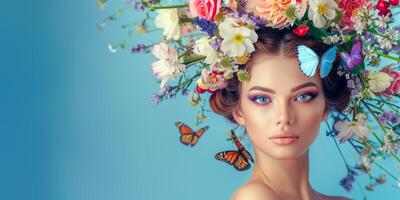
(239, 159)
(188, 136)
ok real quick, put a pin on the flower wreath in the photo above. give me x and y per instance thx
(205, 41)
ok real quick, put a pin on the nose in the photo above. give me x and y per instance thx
(285, 115)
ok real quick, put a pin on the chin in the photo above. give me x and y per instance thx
(284, 153)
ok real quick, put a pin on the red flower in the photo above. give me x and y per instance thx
(394, 2)
(301, 30)
(349, 8)
(199, 89)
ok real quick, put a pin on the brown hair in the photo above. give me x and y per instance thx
(272, 41)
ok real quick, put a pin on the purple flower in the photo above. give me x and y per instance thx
(166, 89)
(155, 98)
(206, 26)
(140, 48)
(389, 116)
(216, 43)
(259, 21)
(185, 92)
(235, 15)
(350, 83)
(347, 181)
(242, 6)
(369, 36)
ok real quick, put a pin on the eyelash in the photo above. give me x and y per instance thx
(255, 97)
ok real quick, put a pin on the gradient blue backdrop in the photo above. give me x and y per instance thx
(77, 122)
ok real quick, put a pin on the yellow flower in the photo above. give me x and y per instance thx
(378, 81)
(241, 60)
(238, 39)
(322, 10)
(194, 99)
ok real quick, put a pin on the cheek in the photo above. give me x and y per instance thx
(258, 119)
(309, 118)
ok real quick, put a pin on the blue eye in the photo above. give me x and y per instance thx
(305, 97)
(260, 99)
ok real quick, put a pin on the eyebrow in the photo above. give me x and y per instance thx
(308, 84)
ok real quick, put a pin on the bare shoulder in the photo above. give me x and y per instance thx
(254, 191)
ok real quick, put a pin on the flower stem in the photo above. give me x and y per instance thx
(193, 59)
(387, 56)
(153, 8)
(383, 129)
(385, 170)
(341, 153)
(348, 166)
(377, 120)
(389, 104)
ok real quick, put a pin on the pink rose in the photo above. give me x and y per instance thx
(394, 87)
(206, 9)
(395, 84)
(349, 8)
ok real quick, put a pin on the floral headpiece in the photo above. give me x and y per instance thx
(205, 41)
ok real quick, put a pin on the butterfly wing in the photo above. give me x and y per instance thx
(241, 163)
(186, 133)
(183, 128)
(247, 155)
(347, 60)
(308, 60)
(186, 139)
(197, 135)
(229, 157)
(327, 61)
(356, 57)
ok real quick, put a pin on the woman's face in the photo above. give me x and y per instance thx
(280, 99)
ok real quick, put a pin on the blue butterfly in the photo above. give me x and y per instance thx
(309, 60)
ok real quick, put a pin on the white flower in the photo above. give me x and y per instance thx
(238, 40)
(168, 67)
(364, 17)
(168, 20)
(203, 47)
(331, 39)
(369, 52)
(320, 10)
(112, 48)
(378, 81)
(393, 35)
(384, 43)
(347, 128)
(391, 142)
(359, 26)
(382, 21)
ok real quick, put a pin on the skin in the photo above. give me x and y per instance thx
(280, 171)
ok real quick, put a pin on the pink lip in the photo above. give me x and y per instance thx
(280, 135)
(284, 138)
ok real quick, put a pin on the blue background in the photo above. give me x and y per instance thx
(77, 122)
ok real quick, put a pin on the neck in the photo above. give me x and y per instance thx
(288, 178)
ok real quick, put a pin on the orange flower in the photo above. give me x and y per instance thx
(278, 13)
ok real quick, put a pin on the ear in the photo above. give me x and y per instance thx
(238, 116)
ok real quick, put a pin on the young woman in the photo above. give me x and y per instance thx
(281, 109)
